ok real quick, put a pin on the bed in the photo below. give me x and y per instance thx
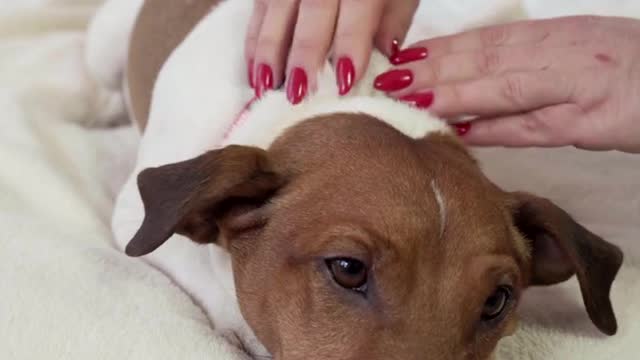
(66, 293)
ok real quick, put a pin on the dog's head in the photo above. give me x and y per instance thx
(350, 240)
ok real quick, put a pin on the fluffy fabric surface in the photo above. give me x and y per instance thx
(68, 294)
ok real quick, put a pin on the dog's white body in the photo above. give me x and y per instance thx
(197, 96)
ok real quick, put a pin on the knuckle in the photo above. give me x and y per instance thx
(347, 36)
(251, 40)
(250, 46)
(589, 20)
(455, 96)
(305, 45)
(356, 2)
(580, 43)
(434, 71)
(488, 61)
(532, 123)
(585, 24)
(588, 141)
(513, 89)
(266, 45)
(314, 4)
(538, 122)
(439, 46)
(563, 124)
(249, 51)
(494, 36)
(279, 4)
(258, 9)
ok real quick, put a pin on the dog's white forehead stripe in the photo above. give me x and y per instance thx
(441, 206)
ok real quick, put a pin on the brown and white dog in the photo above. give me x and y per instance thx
(341, 228)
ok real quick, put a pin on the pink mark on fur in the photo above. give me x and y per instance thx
(239, 118)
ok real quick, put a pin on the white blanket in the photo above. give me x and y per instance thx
(65, 293)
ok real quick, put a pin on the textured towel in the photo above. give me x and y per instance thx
(65, 293)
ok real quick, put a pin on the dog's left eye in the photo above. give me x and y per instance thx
(349, 273)
(496, 305)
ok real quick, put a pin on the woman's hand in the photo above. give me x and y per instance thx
(565, 81)
(292, 39)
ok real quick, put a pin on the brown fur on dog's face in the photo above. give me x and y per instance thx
(352, 241)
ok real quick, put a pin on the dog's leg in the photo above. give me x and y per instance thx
(108, 41)
(107, 45)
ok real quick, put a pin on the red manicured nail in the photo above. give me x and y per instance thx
(419, 100)
(393, 80)
(250, 72)
(297, 85)
(409, 55)
(462, 128)
(395, 47)
(265, 80)
(345, 75)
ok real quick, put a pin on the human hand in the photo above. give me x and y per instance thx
(294, 37)
(556, 82)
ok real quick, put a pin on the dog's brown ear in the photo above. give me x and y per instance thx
(561, 248)
(192, 196)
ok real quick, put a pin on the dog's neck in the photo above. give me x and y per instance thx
(267, 118)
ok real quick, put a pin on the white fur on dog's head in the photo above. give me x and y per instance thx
(271, 115)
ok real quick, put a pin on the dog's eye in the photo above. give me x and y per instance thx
(349, 273)
(497, 303)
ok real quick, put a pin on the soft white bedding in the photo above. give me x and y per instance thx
(65, 293)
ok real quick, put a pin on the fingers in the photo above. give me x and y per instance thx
(546, 127)
(273, 42)
(556, 31)
(311, 43)
(253, 32)
(357, 25)
(466, 66)
(293, 38)
(394, 25)
(534, 83)
(506, 94)
(500, 35)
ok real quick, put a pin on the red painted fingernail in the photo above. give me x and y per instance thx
(419, 100)
(250, 72)
(345, 75)
(264, 79)
(395, 47)
(409, 55)
(462, 128)
(297, 85)
(393, 80)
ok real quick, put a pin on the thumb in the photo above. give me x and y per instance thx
(552, 126)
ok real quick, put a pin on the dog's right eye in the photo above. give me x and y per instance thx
(349, 273)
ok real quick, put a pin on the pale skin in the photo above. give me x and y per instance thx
(288, 34)
(570, 81)
(564, 81)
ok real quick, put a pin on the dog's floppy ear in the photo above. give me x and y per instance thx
(191, 197)
(561, 248)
